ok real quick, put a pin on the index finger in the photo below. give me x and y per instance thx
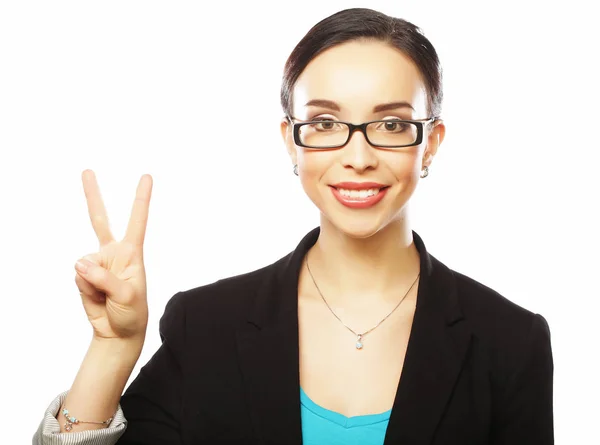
(96, 208)
(136, 229)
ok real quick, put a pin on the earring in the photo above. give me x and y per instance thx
(296, 169)
(425, 172)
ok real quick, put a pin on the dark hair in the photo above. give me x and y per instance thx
(359, 24)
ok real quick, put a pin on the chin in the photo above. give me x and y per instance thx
(354, 227)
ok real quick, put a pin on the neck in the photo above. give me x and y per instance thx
(364, 268)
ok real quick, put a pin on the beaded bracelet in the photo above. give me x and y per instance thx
(74, 421)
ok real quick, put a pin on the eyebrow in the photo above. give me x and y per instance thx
(376, 109)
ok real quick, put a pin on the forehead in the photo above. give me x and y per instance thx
(358, 75)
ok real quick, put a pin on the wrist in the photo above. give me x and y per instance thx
(117, 352)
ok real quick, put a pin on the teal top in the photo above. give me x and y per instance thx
(321, 426)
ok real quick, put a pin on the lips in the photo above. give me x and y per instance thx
(359, 195)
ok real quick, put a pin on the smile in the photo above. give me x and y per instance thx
(359, 196)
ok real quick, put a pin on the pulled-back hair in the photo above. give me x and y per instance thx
(366, 24)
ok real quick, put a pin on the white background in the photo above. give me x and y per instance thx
(127, 88)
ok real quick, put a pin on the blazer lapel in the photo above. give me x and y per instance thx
(437, 346)
(269, 352)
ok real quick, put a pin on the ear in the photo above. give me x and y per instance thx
(434, 140)
(288, 139)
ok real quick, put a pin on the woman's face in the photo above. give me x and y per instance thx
(358, 82)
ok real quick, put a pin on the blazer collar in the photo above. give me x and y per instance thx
(269, 352)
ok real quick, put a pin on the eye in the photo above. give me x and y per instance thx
(392, 126)
(325, 123)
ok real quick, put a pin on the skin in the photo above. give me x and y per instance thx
(112, 286)
(364, 260)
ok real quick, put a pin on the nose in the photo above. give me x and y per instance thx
(358, 154)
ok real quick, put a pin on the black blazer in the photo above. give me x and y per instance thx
(478, 368)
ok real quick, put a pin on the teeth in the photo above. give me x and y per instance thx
(358, 194)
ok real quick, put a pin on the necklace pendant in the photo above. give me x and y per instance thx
(359, 344)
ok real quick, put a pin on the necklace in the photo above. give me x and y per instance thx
(359, 336)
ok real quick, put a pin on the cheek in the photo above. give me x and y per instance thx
(314, 165)
(405, 167)
(313, 171)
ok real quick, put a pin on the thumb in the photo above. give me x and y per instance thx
(100, 278)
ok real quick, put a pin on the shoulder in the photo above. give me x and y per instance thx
(489, 311)
(226, 300)
(509, 333)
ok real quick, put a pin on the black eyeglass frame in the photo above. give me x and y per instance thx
(420, 124)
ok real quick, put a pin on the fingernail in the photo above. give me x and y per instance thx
(81, 266)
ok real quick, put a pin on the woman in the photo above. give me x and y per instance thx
(357, 336)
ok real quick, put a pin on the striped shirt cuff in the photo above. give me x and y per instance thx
(48, 433)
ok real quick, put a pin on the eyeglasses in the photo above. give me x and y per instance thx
(391, 133)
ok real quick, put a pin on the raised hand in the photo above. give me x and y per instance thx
(112, 281)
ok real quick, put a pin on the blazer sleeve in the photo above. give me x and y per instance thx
(48, 433)
(152, 403)
(525, 410)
